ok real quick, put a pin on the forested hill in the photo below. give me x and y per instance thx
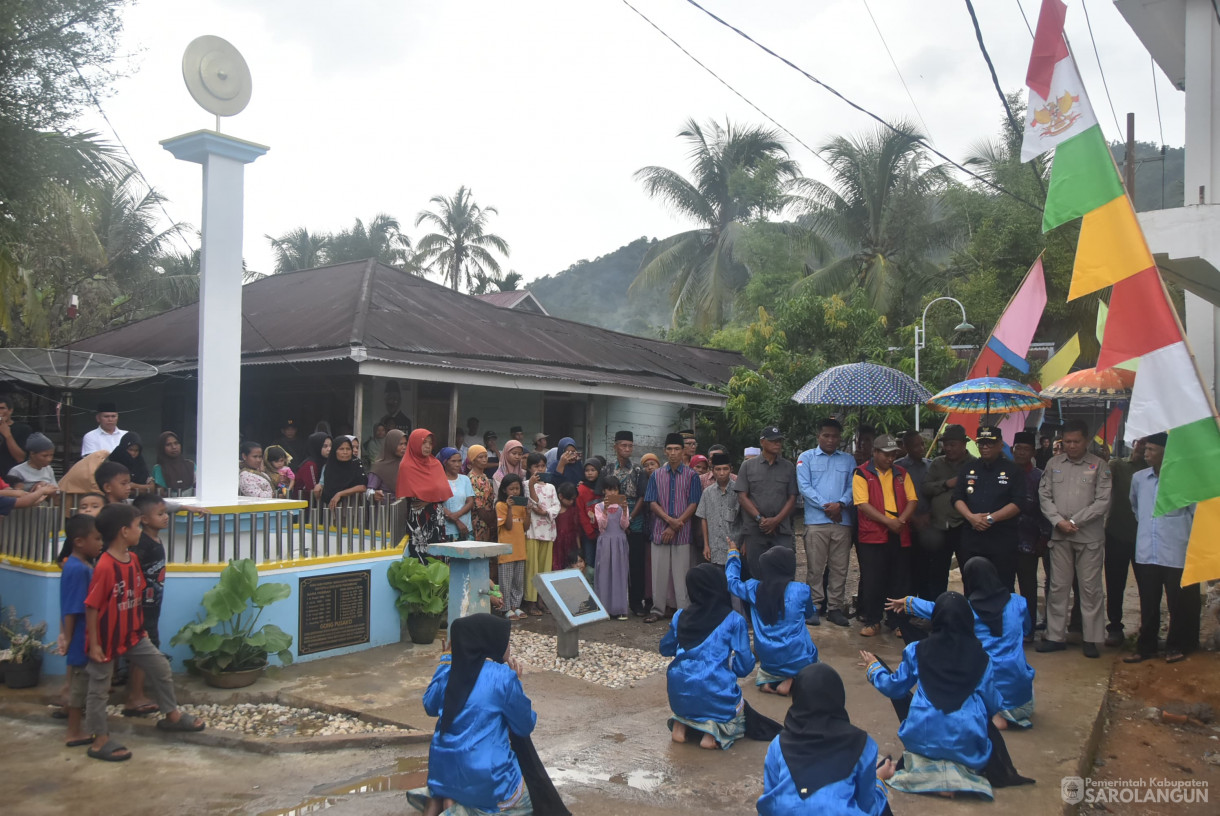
(595, 292)
(1158, 182)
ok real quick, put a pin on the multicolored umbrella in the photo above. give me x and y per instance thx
(860, 384)
(1092, 386)
(987, 395)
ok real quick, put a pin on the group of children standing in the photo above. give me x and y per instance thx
(111, 589)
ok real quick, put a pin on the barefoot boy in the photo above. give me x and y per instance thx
(114, 617)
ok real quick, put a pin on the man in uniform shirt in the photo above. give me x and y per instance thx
(925, 561)
(1160, 555)
(1075, 497)
(1120, 538)
(988, 495)
(943, 535)
(766, 489)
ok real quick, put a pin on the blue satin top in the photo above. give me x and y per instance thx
(703, 680)
(474, 764)
(860, 794)
(960, 736)
(785, 647)
(1014, 677)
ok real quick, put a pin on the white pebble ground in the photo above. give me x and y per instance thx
(274, 720)
(602, 663)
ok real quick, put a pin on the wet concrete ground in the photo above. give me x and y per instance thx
(609, 750)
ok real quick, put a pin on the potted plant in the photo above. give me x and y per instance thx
(22, 659)
(423, 595)
(227, 650)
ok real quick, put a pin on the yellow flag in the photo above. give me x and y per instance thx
(1111, 248)
(1060, 365)
(1203, 550)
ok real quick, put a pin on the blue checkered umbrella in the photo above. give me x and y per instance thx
(858, 384)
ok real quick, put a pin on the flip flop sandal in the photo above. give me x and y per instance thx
(59, 713)
(140, 711)
(535, 612)
(1174, 657)
(106, 752)
(76, 743)
(652, 618)
(181, 724)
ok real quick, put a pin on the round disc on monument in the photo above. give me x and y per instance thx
(217, 76)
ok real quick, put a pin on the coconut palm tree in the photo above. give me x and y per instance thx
(381, 239)
(461, 248)
(882, 210)
(299, 249)
(739, 177)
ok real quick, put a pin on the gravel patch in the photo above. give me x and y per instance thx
(274, 720)
(602, 663)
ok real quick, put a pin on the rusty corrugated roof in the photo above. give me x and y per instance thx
(414, 320)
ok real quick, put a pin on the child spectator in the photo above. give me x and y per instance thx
(36, 469)
(567, 527)
(576, 561)
(511, 518)
(82, 544)
(587, 493)
(114, 619)
(151, 555)
(90, 504)
(113, 481)
(275, 462)
(611, 568)
(540, 536)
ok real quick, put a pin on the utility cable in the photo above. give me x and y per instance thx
(898, 70)
(866, 111)
(1159, 127)
(723, 82)
(1097, 55)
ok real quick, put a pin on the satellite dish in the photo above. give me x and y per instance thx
(67, 369)
(216, 75)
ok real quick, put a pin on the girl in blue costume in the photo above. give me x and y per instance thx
(951, 744)
(711, 649)
(482, 760)
(779, 606)
(1001, 624)
(821, 764)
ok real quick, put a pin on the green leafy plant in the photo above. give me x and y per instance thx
(224, 639)
(24, 640)
(423, 589)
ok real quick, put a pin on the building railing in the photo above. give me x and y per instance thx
(358, 525)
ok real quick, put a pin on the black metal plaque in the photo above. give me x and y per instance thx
(334, 611)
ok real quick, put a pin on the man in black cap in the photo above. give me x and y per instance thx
(766, 488)
(291, 441)
(673, 493)
(988, 496)
(633, 482)
(107, 434)
(1033, 530)
(941, 538)
(518, 433)
(491, 442)
(690, 445)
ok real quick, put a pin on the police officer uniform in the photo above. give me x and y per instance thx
(986, 487)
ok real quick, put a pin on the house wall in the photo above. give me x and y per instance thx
(649, 421)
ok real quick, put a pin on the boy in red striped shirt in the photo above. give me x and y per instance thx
(114, 621)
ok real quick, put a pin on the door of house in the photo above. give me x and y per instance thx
(563, 415)
(432, 412)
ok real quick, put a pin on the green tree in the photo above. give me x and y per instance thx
(382, 239)
(740, 176)
(461, 247)
(882, 209)
(299, 249)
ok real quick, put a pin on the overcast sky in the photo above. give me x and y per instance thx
(545, 108)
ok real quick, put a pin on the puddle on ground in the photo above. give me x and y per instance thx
(406, 773)
(641, 780)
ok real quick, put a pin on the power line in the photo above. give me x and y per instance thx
(1100, 70)
(897, 70)
(723, 82)
(1159, 128)
(865, 111)
(995, 80)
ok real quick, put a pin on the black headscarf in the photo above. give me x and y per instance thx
(314, 447)
(776, 568)
(819, 743)
(986, 592)
(951, 659)
(710, 603)
(177, 472)
(596, 483)
(475, 639)
(135, 464)
(338, 476)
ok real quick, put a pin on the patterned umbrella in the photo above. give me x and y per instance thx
(987, 395)
(858, 384)
(1093, 386)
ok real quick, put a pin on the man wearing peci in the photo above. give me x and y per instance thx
(107, 434)
(673, 492)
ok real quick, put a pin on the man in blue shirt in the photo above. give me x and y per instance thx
(823, 475)
(1160, 555)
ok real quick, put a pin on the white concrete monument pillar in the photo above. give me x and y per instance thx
(220, 321)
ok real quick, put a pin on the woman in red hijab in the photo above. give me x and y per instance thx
(422, 479)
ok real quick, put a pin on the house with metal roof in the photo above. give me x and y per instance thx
(324, 344)
(521, 299)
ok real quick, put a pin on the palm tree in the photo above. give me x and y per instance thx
(882, 210)
(739, 177)
(382, 240)
(298, 249)
(461, 248)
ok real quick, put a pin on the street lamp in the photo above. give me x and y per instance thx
(921, 332)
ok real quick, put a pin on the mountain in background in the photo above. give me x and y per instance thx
(595, 292)
(1158, 179)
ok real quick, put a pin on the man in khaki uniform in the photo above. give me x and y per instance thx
(1075, 496)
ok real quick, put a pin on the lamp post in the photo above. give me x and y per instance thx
(921, 332)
